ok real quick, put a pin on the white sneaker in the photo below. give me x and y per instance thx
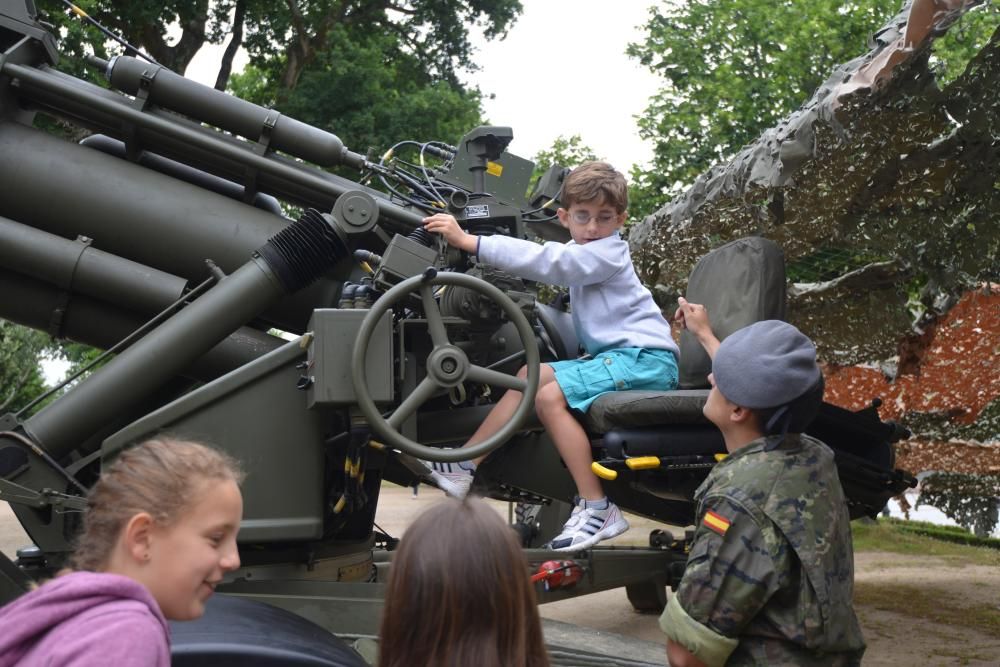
(586, 527)
(451, 478)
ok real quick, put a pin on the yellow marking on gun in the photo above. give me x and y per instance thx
(643, 462)
(602, 472)
(720, 457)
(78, 11)
(494, 169)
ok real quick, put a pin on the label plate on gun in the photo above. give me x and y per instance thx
(477, 211)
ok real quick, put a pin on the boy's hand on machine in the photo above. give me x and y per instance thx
(446, 225)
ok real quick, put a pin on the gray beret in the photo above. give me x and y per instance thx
(765, 365)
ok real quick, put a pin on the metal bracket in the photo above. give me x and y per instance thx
(59, 312)
(12, 492)
(261, 148)
(141, 102)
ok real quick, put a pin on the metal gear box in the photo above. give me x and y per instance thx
(329, 357)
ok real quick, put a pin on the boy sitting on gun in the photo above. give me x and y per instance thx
(615, 318)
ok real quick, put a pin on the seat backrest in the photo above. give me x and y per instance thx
(739, 283)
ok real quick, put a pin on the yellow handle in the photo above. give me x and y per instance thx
(602, 472)
(643, 462)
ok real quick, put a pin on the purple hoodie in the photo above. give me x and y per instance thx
(85, 619)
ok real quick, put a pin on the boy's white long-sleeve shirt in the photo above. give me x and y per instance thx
(611, 308)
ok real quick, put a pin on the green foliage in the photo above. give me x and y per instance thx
(733, 68)
(564, 152)
(963, 41)
(288, 36)
(144, 24)
(21, 378)
(368, 92)
(435, 33)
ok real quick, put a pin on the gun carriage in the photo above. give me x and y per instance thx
(163, 237)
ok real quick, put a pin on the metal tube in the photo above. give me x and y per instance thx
(93, 322)
(142, 368)
(79, 267)
(157, 221)
(195, 137)
(169, 90)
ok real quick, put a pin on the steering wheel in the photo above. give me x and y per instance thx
(447, 366)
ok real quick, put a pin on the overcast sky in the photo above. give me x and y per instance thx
(562, 70)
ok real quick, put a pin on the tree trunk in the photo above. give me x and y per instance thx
(226, 68)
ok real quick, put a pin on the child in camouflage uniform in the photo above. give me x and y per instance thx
(770, 574)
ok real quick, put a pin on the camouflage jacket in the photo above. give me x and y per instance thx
(770, 575)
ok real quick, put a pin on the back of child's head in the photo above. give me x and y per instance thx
(162, 477)
(595, 182)
(459, 593)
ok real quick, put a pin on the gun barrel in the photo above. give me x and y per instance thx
(188, 142)
(155, 220)
(78, 266)
(169, 90)
(40, 305)
(290, 260)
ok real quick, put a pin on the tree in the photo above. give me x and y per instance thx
(368, 91)
(435, 33)
(373, 72)
(21, 377)
(292, 33)
(565, 152)
(733, 68)
(148, 25)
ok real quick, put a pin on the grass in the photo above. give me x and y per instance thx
(897, 537)
(939, 608)
(928, 604)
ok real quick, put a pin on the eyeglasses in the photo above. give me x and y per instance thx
(603, 219)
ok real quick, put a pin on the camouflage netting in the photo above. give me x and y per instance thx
(899, 177)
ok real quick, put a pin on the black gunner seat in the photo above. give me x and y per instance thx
(740, 283)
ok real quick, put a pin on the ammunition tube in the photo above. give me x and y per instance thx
(184, 140)
(157, 221)
(83, 319)
(76, 266)
(172, 91)
(294, 257)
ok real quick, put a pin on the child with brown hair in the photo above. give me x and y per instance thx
(622, 329)
(459, 593)
(158, 535)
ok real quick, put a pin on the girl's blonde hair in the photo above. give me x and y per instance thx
(161, 477)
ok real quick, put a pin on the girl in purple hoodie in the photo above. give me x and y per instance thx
(159, 533)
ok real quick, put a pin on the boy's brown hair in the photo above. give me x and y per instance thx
(595, 181)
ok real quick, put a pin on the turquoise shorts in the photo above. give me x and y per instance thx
(583, 380)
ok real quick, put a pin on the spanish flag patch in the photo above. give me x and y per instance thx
(716, 522)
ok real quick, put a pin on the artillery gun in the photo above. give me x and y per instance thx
(163, 237)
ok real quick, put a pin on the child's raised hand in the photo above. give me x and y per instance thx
(692, 316)
(446, 225)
